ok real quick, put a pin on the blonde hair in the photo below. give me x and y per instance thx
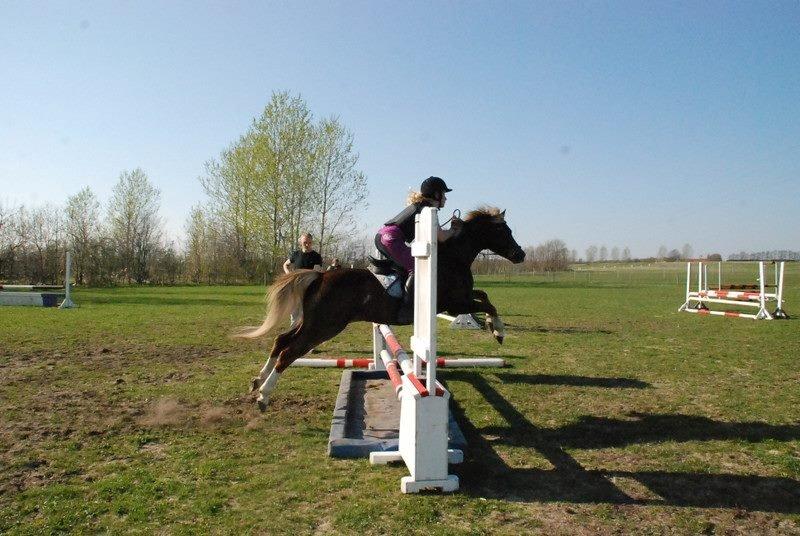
(416, 197)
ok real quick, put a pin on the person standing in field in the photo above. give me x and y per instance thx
(303, 258)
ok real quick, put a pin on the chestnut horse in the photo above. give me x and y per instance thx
(328, 301)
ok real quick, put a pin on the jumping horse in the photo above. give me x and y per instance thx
(329, 301)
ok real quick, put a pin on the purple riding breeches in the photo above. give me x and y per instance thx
(394, 241)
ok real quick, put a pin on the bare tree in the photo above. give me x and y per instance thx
(626, 254)
(603, 253)
(42, 230)
(662, 253)
(83, 229)
(11, 240)
(552, 256)
(134, 223)
(339, 189)
(615, 253)
(687, 252)
(591, 253)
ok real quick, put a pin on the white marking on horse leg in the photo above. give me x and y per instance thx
(267, 368)
(262, 375)
(498, 328)
(266, 388)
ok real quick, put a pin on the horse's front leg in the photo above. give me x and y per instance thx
(481, 303)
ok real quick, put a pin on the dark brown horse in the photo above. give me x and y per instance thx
(328, 301)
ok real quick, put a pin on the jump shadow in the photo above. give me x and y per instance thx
(485, 474)
(566, 330)
(456, 355)
(570, 380)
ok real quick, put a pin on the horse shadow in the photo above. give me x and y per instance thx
(485, 473)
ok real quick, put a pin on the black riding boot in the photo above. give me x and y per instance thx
(405, 315)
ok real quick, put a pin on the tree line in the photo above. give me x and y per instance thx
(287, 174)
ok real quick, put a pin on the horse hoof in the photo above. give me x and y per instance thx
(256, 384)
(498, 338)
(262, 405)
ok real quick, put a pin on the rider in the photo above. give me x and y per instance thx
(398, 232)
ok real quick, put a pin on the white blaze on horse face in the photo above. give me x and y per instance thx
(268, 386)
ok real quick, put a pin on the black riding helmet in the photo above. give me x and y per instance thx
(431, 185)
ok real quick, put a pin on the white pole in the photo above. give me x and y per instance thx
(779, 289)
(378, 344)
(761, 285)
(776, 276)
(699, 276)
(423, 249)
(688, 280)
(719, 275)
(67, 303)
(705, 275)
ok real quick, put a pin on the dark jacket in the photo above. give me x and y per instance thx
(405, 219)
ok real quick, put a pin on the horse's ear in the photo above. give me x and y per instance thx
(503, 214)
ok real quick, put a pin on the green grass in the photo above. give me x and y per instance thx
(130, 414)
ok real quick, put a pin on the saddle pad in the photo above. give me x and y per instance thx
(391, 283)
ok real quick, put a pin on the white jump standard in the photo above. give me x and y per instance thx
(424, 407)
(40, 295)
(696, 300)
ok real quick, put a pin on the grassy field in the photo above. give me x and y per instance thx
(617, 414)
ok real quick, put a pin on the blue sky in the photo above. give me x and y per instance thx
(617, 123)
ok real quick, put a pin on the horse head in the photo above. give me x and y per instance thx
(487, 229)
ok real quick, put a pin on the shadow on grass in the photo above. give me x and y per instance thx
(456, 355)
(485, 473)
(489, 284)
(568, 330)
(574, 381)
(147, 299)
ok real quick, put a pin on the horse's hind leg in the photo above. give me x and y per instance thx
(290, 349)
(263, 373)
(281, 342)
(306, 337)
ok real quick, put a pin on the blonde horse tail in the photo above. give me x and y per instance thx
(285, 297)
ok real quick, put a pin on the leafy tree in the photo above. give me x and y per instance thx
(338, 189)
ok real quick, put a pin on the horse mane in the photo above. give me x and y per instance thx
(485, 212)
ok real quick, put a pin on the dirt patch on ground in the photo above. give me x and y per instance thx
(165, 412)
